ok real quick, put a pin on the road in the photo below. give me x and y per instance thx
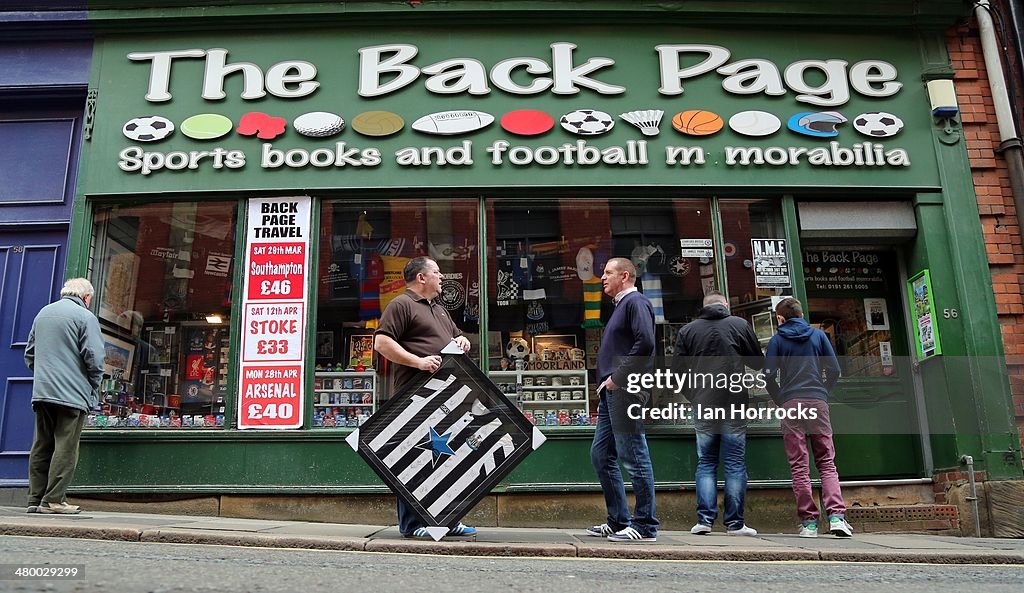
(166, 568)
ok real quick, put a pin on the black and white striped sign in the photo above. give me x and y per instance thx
(445, 442)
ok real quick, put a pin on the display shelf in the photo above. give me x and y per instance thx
(569, 381)
(367, 383)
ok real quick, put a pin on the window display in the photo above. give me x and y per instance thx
(363, 248)
(163, 280)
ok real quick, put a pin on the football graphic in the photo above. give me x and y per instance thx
(878, 124)
(450, 123)
(587, 122)
(149, 128)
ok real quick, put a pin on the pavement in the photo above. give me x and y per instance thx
(506, 541)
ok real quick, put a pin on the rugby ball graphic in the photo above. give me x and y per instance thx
(450, 123)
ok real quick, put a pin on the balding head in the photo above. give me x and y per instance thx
(714, 297)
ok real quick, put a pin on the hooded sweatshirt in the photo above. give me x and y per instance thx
(800, 363)
(722, 345)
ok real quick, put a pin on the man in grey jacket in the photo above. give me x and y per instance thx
(65, 354)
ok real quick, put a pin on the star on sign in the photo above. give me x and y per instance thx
(437, 444)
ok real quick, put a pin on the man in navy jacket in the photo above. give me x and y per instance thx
(627, 347)
(801, 369)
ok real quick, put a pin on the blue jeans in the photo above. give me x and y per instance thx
(607, 451)
(727, 438)
(408, 521)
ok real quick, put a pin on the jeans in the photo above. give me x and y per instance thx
(795, 434)
(726, 439)
(630, 448)
(408, 521)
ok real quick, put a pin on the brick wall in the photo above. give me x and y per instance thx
(995, 201)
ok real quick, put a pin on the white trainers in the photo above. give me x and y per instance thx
(700, 529)
(809, 530)
(838, 527)
(601, 530)
(747, 531)
(630, 535)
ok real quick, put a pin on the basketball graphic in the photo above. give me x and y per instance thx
(697, 122)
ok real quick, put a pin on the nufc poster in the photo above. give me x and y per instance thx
(445, 442)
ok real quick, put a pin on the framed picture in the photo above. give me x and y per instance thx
(117, 356)
(325, 345)
(117, 292)
(553, 343)
(160, 351)
(360, 350)
(764, 328)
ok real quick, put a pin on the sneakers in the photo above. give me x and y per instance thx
(58, 508)
(630, 535)
(457, 531)
(838, 527)
(32, 508)
(700, 529)
(809, 529)
(747, 531)
(601, 530)
(460, 530)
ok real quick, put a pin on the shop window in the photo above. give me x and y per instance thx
(853, 296)
(364, 247)
(757, 262)
(546, 308)
(162, 274)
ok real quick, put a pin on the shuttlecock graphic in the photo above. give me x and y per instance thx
(647, 120)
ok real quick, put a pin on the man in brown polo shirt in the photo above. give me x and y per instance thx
(412, 332)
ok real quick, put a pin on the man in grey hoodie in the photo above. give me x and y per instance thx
(65, 354)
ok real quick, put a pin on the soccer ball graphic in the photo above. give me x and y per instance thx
(878, 124)
(587, 122)
(149, 128)
(517, 349)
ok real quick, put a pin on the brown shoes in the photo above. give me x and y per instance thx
(59, 508)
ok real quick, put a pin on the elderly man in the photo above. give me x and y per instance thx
(65, 354)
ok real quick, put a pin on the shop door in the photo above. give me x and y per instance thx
(31, 272)
(855, 295)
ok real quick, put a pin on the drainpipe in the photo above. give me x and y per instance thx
(1010, 144)
(973, 498)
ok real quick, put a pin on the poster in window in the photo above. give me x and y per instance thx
(160, 352)
(325, 345)
(360, 350)
(877, 314)
(922, 307)
(117, 356)
(121, 268)
(771, 263)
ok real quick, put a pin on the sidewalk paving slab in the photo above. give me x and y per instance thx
(504, 541)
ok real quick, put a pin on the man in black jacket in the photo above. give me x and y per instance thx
(713, 350)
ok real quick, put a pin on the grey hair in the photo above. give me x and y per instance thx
(79, 287)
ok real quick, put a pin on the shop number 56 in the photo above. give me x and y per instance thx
(950, 313)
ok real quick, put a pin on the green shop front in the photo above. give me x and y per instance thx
(760, 161)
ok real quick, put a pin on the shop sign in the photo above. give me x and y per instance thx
(922, 307)
(274, 314)
(194, 114)
(696, 248)
(444, 442)
(828, 270)
(771, 263)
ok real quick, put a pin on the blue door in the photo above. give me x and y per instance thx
(31, 274)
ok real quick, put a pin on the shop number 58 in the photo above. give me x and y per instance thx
(950, 313)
